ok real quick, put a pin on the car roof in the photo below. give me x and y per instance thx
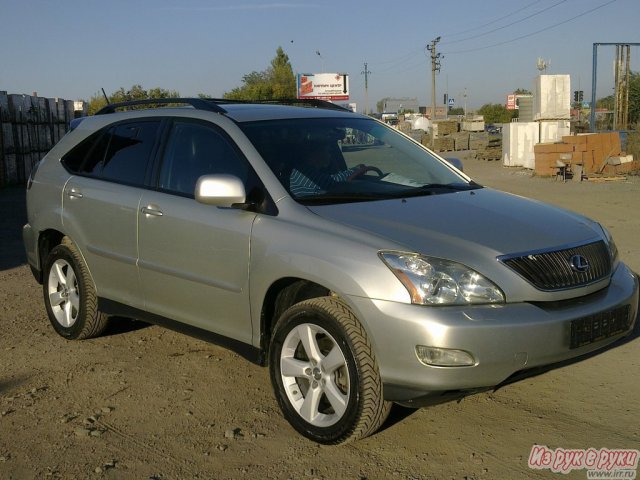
(237, 110)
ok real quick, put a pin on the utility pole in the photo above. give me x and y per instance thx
(435, 67)
(621, 103)
(594, 78)
(366, 73)
(465, 103)
(446, 95)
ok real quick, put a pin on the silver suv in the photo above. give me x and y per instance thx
(359, 266)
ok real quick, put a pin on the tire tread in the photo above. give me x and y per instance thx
(94, 322)
(375, 409)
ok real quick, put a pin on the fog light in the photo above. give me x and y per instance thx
(444, 357)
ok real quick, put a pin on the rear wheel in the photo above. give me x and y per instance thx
(324, 372)
(70, 295)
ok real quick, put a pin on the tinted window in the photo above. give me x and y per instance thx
(94, 146)
(194, 150)
(129, 151)
(92, 164)
(118, 153)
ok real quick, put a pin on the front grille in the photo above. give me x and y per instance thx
(556, 270)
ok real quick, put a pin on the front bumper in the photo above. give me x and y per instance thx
(503, 339)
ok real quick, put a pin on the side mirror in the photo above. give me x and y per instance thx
(220, 190)
(455, 162)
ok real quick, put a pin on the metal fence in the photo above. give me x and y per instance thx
(29, 127)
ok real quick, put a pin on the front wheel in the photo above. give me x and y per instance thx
(70, 295)
(324, 372)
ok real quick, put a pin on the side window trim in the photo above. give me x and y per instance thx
(153, 168)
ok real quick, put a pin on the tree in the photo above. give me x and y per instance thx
(275, 82)
(282, 78)
(136, 92)
(255, 86)
(605, 102)
(380, 105)
(522, 91)
(456, 111)
(496, 113)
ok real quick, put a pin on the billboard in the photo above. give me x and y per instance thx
(511, 102)
(323, 86)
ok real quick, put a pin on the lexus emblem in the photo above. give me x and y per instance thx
(579, 264)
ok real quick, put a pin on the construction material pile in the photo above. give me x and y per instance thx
(490, 148)
(595, 153)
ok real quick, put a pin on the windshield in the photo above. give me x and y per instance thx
(332, 160)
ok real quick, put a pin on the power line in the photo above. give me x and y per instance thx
(410, 67)
(411, 54)
(409, 58)
(507, 25)
(404, 58)
(394, 64)
(492, 21)
(533, 33)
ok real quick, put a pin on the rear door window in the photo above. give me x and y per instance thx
(118, 153)
(129, 151)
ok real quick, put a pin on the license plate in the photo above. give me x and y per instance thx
(597, 327)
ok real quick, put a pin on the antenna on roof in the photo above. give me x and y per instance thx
(105, 96)
(543, 65)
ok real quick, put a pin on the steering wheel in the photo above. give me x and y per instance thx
(363, 170)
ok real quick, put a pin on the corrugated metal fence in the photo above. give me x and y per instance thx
(30, 126)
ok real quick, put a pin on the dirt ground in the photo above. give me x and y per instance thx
(142, 402)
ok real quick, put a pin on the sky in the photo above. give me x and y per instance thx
(72, 49)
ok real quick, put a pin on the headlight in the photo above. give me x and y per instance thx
(434, 281)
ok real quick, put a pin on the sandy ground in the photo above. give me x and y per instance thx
(145, 403)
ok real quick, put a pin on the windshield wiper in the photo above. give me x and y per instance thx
(451, 186)
(346, 197)
(327, 198)
(433, 188)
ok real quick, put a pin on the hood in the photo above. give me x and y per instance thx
(467, 226)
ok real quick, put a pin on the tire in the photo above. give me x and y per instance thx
(70, 295)
(324, 373)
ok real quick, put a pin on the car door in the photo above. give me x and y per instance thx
(101, 202)
(194, 258)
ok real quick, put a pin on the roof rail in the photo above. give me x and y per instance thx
(197, 103)
(308, 102)
(213, 104)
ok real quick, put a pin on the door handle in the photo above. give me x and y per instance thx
(73, 193)
(152, 210)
